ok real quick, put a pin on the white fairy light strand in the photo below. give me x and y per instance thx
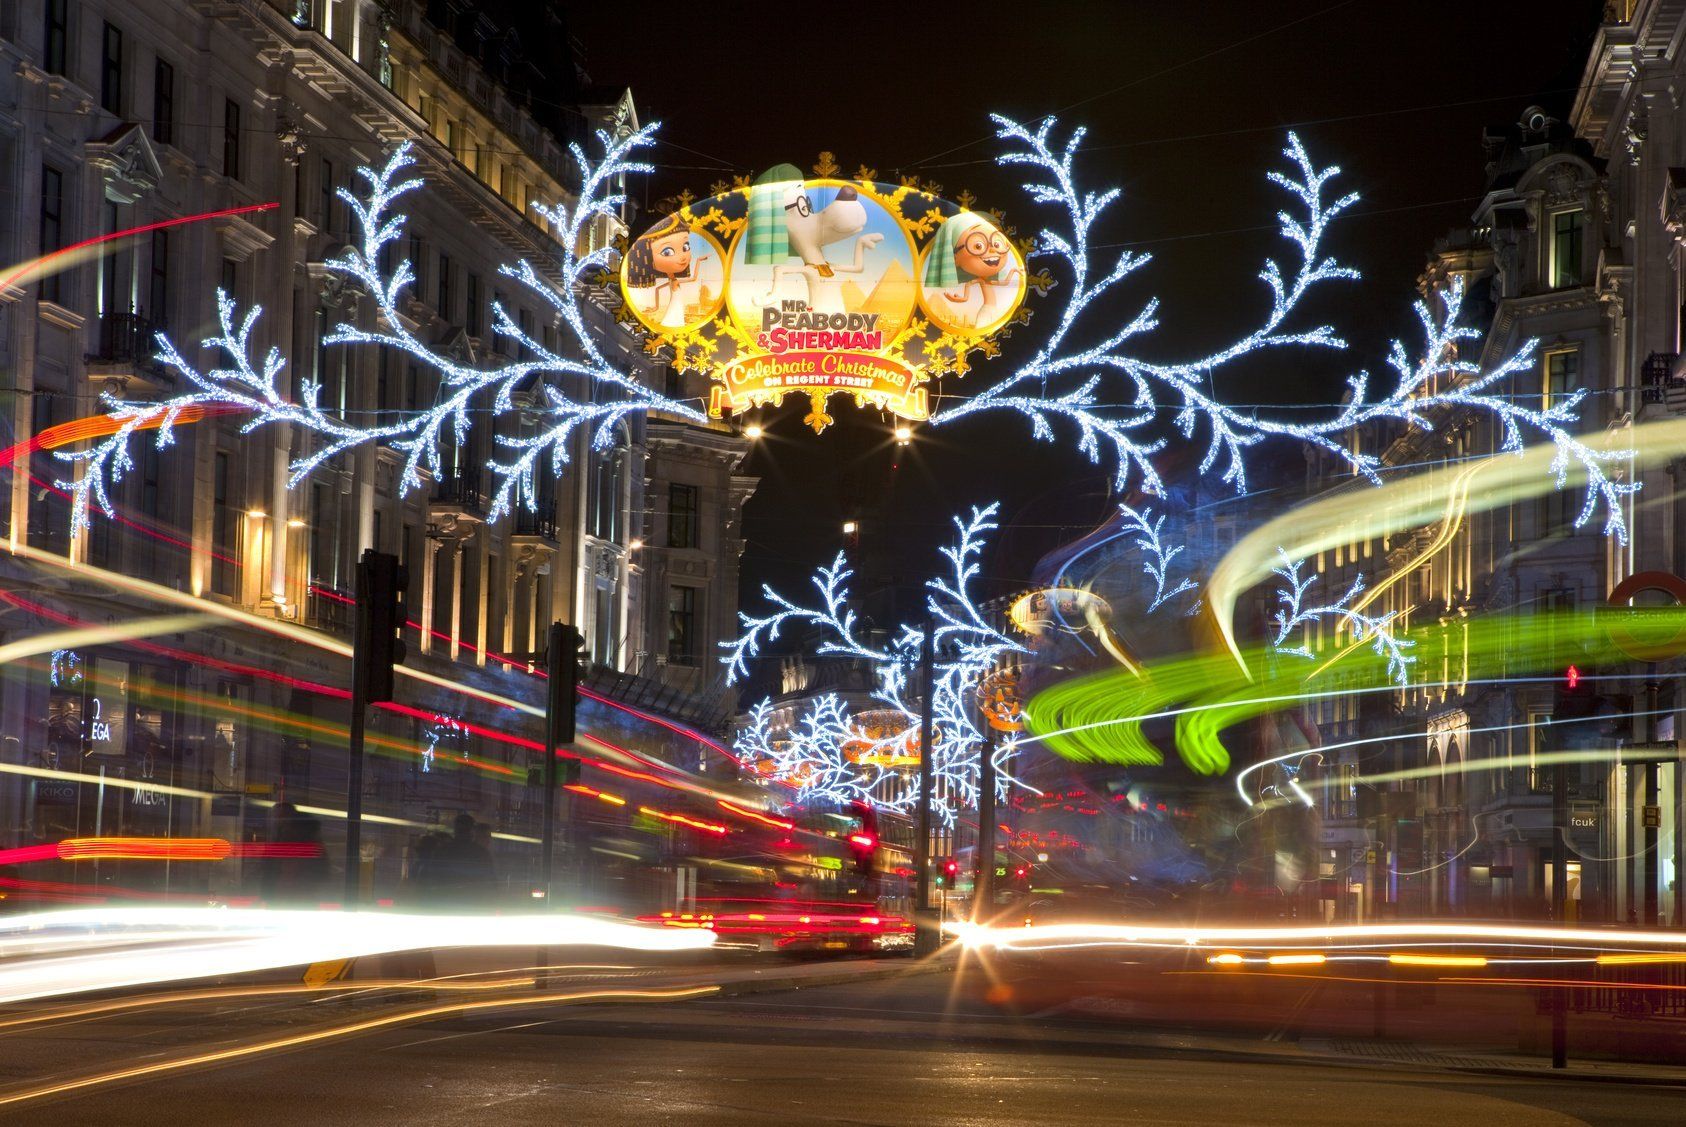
(828, 755)
(1378, 630)
(252, 387)
(1156, 555)
(1437, 380)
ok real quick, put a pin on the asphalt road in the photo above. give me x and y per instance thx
(900, 1051)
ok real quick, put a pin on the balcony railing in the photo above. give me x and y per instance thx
(460, 488)
(328, 609)
(540, 520)
(1659, 375)
(126, 337)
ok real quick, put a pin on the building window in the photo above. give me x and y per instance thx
(163, 103)
(158, 282)
(231, 139)
(111, 71)
(225, 528)
(445, 294)
(682, 625)
(500, 341)
(57, 37)
(52, 225)
(1562, 377)
(525, 319)
(418, 265)
(325, 206)
(229, 280)
(681, 516)
(473, 321)
(1567, 230)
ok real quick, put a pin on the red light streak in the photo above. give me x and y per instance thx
(27, 267)
(755, 816)
(682, 820)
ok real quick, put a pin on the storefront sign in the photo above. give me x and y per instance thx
(55, 794)
(821, 285)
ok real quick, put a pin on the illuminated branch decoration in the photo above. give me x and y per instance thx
(1378, 630)
(831, 756)
(1156, 557)
(253, 387)
(1152, 390)
(1063, 383)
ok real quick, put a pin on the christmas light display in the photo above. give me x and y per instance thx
(1377, 630)
(1063, 382)
(1156, 556)
(1437, 379)
(833, 757)
(255, 387)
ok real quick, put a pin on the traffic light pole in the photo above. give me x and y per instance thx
(1559, 901)
(360, 659)
(983, 885)
(557, 652)
(1653, 691)
(927, 935)
(378, 618)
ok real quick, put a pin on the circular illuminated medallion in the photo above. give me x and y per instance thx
(971, 278)
(824, 257)
(674, 277)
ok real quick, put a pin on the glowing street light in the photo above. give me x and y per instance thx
(850, 528)
(753, 431)
(904, 434)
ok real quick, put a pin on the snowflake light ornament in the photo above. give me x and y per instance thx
(1294, 614)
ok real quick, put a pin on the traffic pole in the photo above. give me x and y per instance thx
(983, 884)
(360, 657)
(1559, 900)
(927, 925)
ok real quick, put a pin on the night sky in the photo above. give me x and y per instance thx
(1186, 106)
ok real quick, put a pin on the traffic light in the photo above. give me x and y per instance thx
(1021, 874)
(1582, 716)
(565, 662)
(948, 869)
(381, 616)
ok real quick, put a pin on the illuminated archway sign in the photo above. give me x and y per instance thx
(821, 286)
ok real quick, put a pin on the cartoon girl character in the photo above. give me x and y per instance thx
(971, 253)
(661, 260)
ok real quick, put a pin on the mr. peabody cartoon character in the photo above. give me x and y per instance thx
(784, 223)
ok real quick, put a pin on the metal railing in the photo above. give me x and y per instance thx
(460, 487)
(328, 609)
(1659, 374)
(126, 337)
(540, 519)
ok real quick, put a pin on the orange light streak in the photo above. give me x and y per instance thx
(350, 1029)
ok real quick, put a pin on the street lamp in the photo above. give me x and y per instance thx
(753, 431)
(850, 528)
(904, 434)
